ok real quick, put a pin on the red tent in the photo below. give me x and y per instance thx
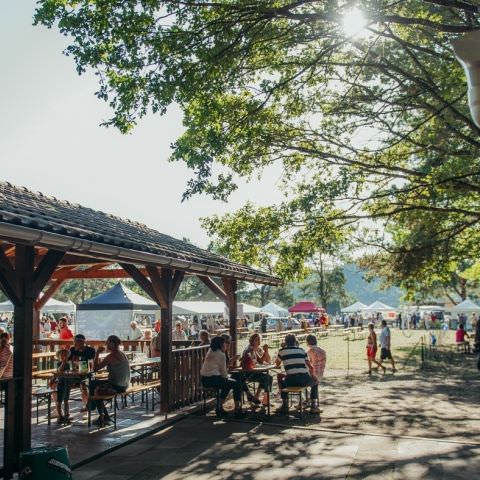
(305, 307)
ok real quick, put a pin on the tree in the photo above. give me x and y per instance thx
(366, 129)
(327, 282)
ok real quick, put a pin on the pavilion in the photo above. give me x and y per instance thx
(46, 241)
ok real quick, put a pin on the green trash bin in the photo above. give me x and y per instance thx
(50, 462)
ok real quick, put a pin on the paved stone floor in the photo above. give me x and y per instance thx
(408, 425)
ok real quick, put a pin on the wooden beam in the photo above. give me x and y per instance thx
(166, 343)
(8, 278)
(22, 352)
(48, 294)
(96, 273)
(45, 270)
(230, 286)
(214, 287)
(141, 279)
(176, 282)
(158, 286)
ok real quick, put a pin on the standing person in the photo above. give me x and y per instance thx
(157, 326)
(210, 324)
(118, 375)
(204, 337)
(65, 332)
(135, 333)
(385, 346)
(297, 368)
(214, 375)
(6, 356)
(178, 334)
(156, 345)
(263, 324)
(63, 388)
(317, 358)
(289, 323)
(460, 336)
(372, 349)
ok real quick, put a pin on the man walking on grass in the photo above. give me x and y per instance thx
(385, 345)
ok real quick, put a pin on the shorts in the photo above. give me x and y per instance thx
(371, 351)
(385, 353)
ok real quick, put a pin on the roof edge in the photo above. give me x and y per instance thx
(42, 238)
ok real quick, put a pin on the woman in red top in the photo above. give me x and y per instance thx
(65, 332)
(372, 349)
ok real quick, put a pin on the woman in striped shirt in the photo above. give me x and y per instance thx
(297, 369)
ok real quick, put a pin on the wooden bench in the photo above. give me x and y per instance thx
(292, 393)
(44, 395)
(112, 398)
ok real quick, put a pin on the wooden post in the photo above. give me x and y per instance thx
(166, 342)
(162, 289)
(230, 286)
(22, 352)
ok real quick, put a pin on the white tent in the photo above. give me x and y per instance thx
(378, 307)
(467, 306)
(274, 310)
(210, 308)
(52, 306)
(354, 307)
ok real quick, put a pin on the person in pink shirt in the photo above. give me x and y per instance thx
(317, 358)
(460, 335)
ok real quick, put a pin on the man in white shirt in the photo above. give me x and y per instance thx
(385, 345)
(135, 333)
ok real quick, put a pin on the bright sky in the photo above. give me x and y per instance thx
(50, 139)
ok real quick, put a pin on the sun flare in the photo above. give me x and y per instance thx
(354, 23)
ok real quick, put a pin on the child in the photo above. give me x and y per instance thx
(317, 358)
(63, 387)
(460, 335)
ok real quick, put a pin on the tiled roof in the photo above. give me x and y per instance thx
(22, 207)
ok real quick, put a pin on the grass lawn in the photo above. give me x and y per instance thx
(350, 356)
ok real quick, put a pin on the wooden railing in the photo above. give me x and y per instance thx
(185, 383)
(52, 344)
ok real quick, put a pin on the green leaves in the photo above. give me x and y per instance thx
(373, 130)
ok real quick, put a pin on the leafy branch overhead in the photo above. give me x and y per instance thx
(369, 129)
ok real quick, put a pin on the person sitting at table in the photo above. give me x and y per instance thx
(214, 375)
(80, 352)
(204, 337)
(297, 368)
(65, 332)
(63, 387)
(252, 355)
(237, 375)
(118, 380)
(178, 334)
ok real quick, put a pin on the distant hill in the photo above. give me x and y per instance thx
(368, 292)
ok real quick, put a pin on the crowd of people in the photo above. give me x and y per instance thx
(301, 368)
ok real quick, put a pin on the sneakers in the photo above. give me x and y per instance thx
(314, 409)
(394, 370)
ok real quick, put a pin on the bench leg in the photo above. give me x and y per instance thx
(89, 414)
(49, 406)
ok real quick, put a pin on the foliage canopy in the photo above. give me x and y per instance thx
(369, 129)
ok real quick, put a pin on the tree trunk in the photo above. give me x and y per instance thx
(322, 287)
